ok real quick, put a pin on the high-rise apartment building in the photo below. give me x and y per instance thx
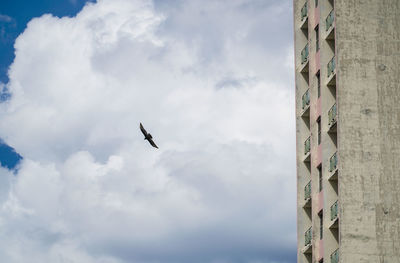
(348, 130)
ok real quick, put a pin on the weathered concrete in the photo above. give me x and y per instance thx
(365, 40)
(368, 77)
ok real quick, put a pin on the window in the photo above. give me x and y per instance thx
(316, 3)
(317, 38)
(321, 261)
(321, 225)
(319, 130)
(320, 177)
(318, 84)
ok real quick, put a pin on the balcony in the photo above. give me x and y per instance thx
(304, 11)
(332, 118)
(306, 99)
(333, 176)
(307, 195)
(307, 191)
(306, 104)
(304, 60)
(334, 211)
(335, 256)
(331, 72)
(307, 148)
(329, 22)
(334, 216)
(307, 241)
(304, 17)
(304, 55)
(308, 237)
(333, 162)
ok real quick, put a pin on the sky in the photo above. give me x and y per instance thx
(213, 81)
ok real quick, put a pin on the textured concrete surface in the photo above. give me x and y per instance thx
(368, 76)
(367, 44)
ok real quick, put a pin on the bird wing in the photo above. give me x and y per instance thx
(143, 130)
(152, 143)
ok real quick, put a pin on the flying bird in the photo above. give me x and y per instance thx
(147, 136)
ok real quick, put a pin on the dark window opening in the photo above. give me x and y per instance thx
(320, 177)
(321, 225)
(316, 3)
(318, 84)
(319, 130)
(317, 38)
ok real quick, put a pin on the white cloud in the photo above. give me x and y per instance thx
(222, 186)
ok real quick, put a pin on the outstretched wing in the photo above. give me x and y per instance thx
(143, 130)
(152, 143)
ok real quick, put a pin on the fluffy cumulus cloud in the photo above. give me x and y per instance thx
(211, 81)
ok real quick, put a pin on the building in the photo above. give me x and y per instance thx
(348, 130)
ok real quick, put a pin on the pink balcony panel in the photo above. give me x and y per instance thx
(320, 250)
(316, 17)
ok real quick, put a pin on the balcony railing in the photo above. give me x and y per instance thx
(335, 256)
(331, 66)
(329, 20)
(304, 54)
(332, 113)
(307, 145)
(334, 211)
(333, 162)
(308, 237)
(306, 99)
(304, 11)
(307, 191)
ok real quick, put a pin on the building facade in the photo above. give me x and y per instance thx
(348, 130)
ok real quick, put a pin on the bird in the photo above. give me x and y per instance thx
(147, 136)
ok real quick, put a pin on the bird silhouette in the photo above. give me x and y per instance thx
(147, 136)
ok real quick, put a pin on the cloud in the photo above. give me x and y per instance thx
(7, 27)
(222, 186)
(5, 18)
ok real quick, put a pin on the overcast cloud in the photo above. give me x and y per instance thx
(211, 80)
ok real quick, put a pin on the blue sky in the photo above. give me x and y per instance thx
(213, 83)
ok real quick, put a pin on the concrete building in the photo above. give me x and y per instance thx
(348, 130)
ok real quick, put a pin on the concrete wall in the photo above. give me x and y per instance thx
(368, 97)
